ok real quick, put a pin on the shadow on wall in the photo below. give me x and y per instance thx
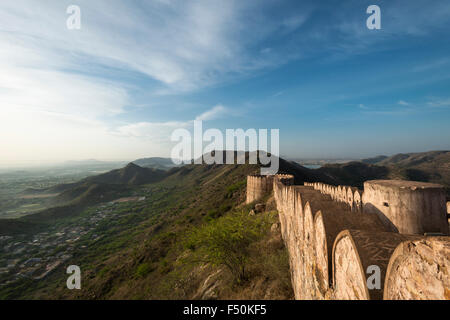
(368, 207)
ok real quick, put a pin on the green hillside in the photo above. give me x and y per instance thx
(154, 240)
(155, 162)
(143, 252)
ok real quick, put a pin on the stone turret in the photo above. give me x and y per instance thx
(258, 186)
(408, 207)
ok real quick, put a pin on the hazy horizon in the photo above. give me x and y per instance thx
(40, 164)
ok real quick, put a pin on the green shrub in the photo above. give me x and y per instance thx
(225, 241)
(103, 272)
(143, 270)
(234, 187)
(217, 213)
(224, 208)
(212, 214)
(165, 266)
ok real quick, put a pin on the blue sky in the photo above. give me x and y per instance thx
(137, 70)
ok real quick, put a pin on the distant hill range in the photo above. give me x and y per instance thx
(374, 160)
(152, 162)
(156, 162)
(130, 175)
(413, 159)
(433, 166)
(74, 197)
(428, 166)
(90, 162)
(100, 186)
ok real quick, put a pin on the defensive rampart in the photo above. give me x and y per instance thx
(258, 186)
(341, 248)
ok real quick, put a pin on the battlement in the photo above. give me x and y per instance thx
(334, 240)
(407, 207)
(258, 186)
(349, 195)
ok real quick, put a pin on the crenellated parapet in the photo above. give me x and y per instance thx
(258, 186)
(335, 245)
(349, 195)
(407, 207)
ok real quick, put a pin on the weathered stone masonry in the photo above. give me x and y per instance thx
(334, 234)
(258, 186)
(409, 207)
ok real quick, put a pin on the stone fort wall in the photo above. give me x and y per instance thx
(258, 186)
(335, 237)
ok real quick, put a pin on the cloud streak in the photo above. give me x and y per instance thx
(212, 114)
(160, 132)
(82, 83)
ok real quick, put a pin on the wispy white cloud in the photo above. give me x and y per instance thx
(55, 85)
(406, 108)
(61, 86)
(160, 132)
(439, 103)
(213, 114)
(183, 45)
(278, 93)
(431, 65)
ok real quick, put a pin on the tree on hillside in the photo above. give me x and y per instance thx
(225, 241)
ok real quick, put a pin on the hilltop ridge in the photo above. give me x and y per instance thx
(414, 159)
(433, 166)
(155, 162)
